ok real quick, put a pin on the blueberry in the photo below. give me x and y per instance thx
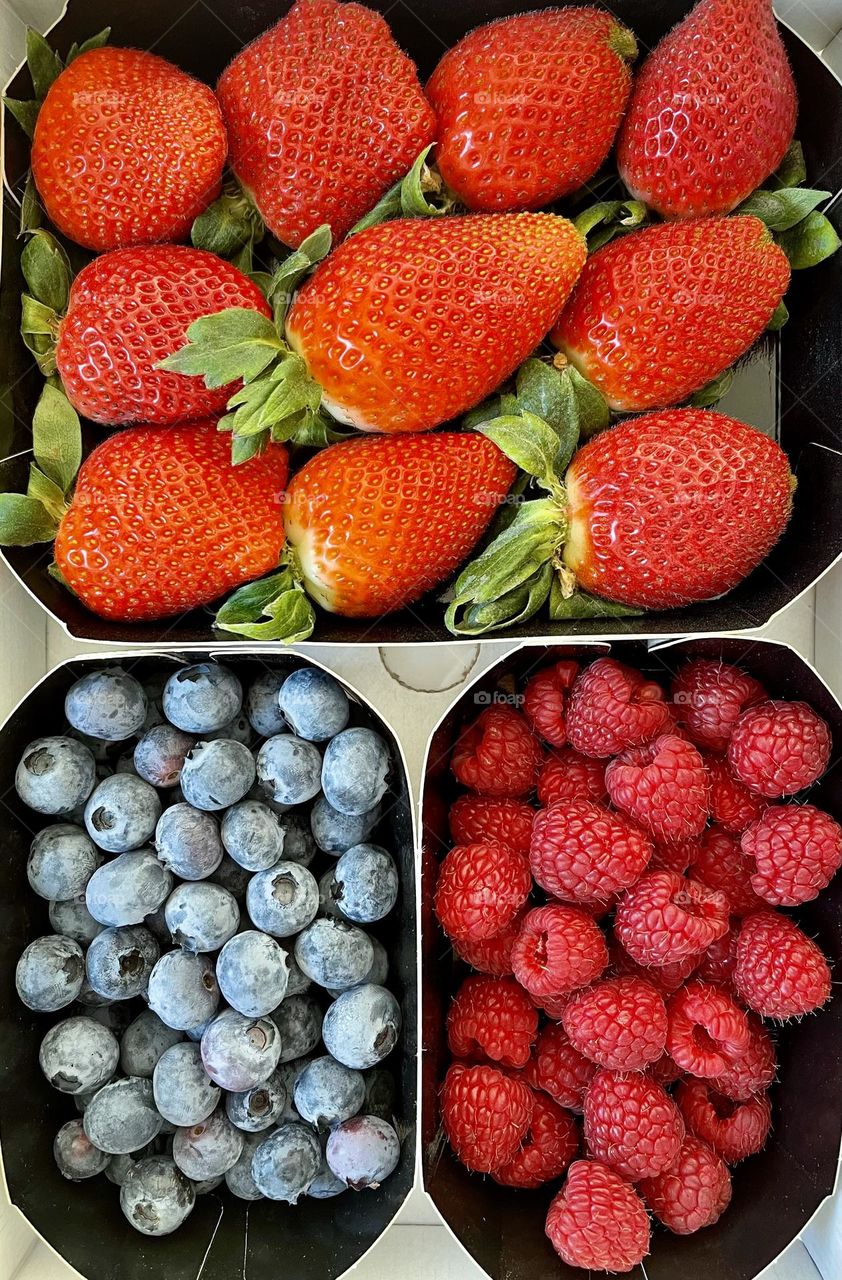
(108, 704)
(262, 706)
(240, 1052)
(206, 1185)
(334, 953)
(289, 1073)
(259, 1108)
(365, 883)
(326, 1093)
(201, 916)
(50, 973)
(314, 704)
(327, 899)
(82, 1101)
(334, 832)
(101, 750)
(183, 990)
(252, 835)
(207, 1149)
(156, 1197)
(284, 1164)
(195, 1033)
(122, 813)
(184, 1092)
(156, 923)
(289, 769)
(125, 764)
(113, 1014)
(325, 1185)
(363, 1151)
(299, 1023)
(354, 772)
(238, 1178)
(238, 730)
(159, 756)
(232, 877)
(122, 1117)
(143, 1043)
(380, 1094)
(299, 845)
(119, 962)
(362, 1026)
(61, 861)
(119, 1167)
(284, 900)
(55, 775)
(377, 974)
(91, 999)
(217, 774)
(251, 970)
(297, 982)
(202, 698)
(188, 842)
(128, 888)
(76, 1156)
(74, 920)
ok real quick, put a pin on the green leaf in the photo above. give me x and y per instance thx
(247, 603)
(243, 448)
(511, 608)
(581, 605)
(509, 507)
(46, 270)
(421, 193)
(780, 317)
(270, 401)
(713, 391)
(289, 614)
(25, 112)
(781, 210)
(793, 168)
(57, 437)
(607, 219)
(47, 492)
(38, 327)
(233, 344)
(24, 521)
(548, 392)
(30, 209)
(229, 226)
(288, 274)
(529, 442)
(45, 66)
(93, 42)
(810, 242)
(592, 408)
(529, 542)
(315, 432)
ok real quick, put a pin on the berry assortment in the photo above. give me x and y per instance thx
(221, 1021)
(632, 952)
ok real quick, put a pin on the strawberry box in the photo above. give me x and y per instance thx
(775, 1192)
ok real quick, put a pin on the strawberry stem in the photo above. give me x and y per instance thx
(421, 193)
(273, 608)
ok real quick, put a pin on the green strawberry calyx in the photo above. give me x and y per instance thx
(48, 275)
(230, 227)
(791, 212)
(421, 193)
(33, 517)
(45, 67)
(273, 608)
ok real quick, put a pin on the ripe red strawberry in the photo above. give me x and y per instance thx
(621, 1023)
(493, 1017)
(665, 918)
(583, 853)
(491, 955)
(554, 88)
(557, 950)
(324, 113)
(796, 850)
(663, 787)
(734, 1130)
(707, 1031)
(732, 805)
(127, 150)
(597, 1221)
(568, 775)
(632, 1124)
(480, 889)
(780, 972)
(754, 1071)
(545, 701)
(612, 707)
(778, 748)
(712, 113)
(474, 819)
(559, 1069)
(708, 699)
(486, 1115)
(693, 1193)
(550, 1144)
(720, 863)
(682, 302)
(497, 755)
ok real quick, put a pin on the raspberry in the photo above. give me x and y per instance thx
(613, 707)
(549, 1146)
(778, 748)
(708, 698)
(721, 864)
(780, 972)
(632, 1124)
(620, 1023)
(667, 978)
(796, 849)
(674, 857)
(734, 1130)
(486, 1115)
(665, 1070)
(554, 1006)
(568, 775)
(755, 1070)
(693, 1193)
(707, 1032)
(545, 701)
(493, 1017)
(498, 755)
(666, 918)
(583, 853)
(480, 889)
(597, 1221)
(491, 955)
(559, 1069)
(557, 950)
(717, 966)
(663, 787)
(478, 819)
(732, 805)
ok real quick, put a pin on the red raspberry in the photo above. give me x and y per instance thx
(717, 966)
(620, 1023)
(665, 1070)
(613, 707)
(707, 1032)
(568, 775)
(632, 1124)
(549, 1146)
(674, 857)
(708, 698)
(734, 1130)
(498, 755)
(693, 1193)
(755, 1070)
(663, 787)
(666, 918)
(486, 1115)
(492, 1017)
(667, 978)
(721, 864)
(778, 748)
(491, 955)
(545, 701)
(559, 1069)
(554, 1006)
(583, 853)
(597, 1221)
(481, 888)
(732, 805)
(780, 972)
(797, 850)
(478, 819)
(557, 950)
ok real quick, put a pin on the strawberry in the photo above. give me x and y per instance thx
(712, 113)
(324, 113)
(554, 88)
